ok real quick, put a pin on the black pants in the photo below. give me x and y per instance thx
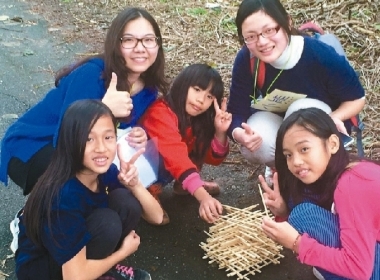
(26, 174)
(107, 226)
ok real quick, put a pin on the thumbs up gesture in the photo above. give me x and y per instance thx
(119, 102)
(248, 138)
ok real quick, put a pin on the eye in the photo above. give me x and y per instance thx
(287, 156)
(128, 39)
(210, 96)
(197, 89)
(149, 39)
(89, 139)
(304, 149)
(269, 31)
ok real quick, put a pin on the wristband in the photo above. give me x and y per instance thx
(295, 244)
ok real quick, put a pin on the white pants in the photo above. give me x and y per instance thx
(266, 124)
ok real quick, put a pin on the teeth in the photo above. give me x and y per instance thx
(302, 172)
(100, 159)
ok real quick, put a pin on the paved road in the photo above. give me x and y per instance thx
(28, 53)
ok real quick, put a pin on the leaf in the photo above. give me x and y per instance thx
(377, 26)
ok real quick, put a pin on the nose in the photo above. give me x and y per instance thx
(261, 40)
(201, 98)
(139, 46)
(297, 160)
(100, 146)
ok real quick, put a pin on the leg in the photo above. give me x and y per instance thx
(129, 209)
(266, 124)
(105, 227)
(320, 224)
(26, 174)
(307, 103)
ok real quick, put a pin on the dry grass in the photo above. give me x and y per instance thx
(192, 32)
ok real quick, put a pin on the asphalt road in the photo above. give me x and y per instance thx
(29, 51)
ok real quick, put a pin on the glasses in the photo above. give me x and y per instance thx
(131, 42)
(267, 33)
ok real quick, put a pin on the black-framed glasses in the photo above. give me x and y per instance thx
(129, 42)
(267, 33)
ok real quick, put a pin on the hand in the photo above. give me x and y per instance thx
(247, 137)
(119, 102)
(137, 138)
(210, 208)
(283, 233)
(339, 125)
(128, 175)
(130, 244)
(222, 119)
(272, 198)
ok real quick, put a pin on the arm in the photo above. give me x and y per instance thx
(239, 104)
(81, 268)
(356, 201)
(129, 177)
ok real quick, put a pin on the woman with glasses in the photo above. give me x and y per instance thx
(292, 62)
(127, 77)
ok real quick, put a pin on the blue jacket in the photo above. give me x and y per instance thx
(40, 125)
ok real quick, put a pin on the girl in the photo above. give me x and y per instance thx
(191, 130)
(78, 221)
(315, 176)
(292, 62)
(126, 77)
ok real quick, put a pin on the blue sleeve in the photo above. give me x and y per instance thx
(341, 80)
(239, 103)
(85, 82)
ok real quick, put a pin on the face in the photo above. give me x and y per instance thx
(198, 100)
(307, 155)
(100, 148)
(266, 49)
(139, 58)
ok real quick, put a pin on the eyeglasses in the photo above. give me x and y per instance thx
(267, 33)
(131, 42)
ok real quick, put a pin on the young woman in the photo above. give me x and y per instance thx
(294, 63)
(332, 200)
(191, 130)
(126, 77)
(78, 221)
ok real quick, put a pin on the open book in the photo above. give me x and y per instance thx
(147, 163)
(278, 101)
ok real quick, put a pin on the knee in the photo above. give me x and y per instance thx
(125, 203)
(105, 224)
(307, 103)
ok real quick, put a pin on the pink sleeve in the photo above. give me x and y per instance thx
(219, 148)
(192, 182)
(357, 206)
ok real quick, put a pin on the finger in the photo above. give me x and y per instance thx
(247, 128)
(136, 155)
(276, 187)
(113, 82)
(120, 153)
(223, 107)
(264, 185)
(216, 105)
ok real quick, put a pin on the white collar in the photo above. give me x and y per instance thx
(291, 55)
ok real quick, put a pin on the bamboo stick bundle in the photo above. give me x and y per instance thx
(238, 245)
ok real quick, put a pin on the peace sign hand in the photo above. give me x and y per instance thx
(272, 198)
(128, 175)
(222, 119)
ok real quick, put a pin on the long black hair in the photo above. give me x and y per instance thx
(67, 161)
(153, 77)
(321, 192)
(202, 76)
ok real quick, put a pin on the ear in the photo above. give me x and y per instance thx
(333, 143)
(290, 22)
